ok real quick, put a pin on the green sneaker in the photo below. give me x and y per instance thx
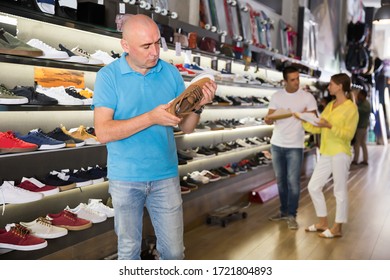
(12, 45)
(7, 97)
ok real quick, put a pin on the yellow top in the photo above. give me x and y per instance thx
(344, 119)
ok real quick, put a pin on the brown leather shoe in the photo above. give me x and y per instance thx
(187, 101)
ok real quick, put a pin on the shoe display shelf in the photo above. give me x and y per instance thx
(54, 30)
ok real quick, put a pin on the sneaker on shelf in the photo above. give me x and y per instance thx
(213, 126)
(18, 237)
(75, 177)
(70, 141)
(115, 55)
(97, 205)
(103, 56)
(7, 97)
(212, 177)
(72, 91)
(198, 177)
(92, 175)
(46, 6)
(42, 227)
(44, 142)
(60, 95)
(68, 220)
(15, 195)
(33, 185)
(191, 186)
(48, 51)
(83, 212)
(187, 101)
(184, 190)
(53, 179)
(34, 98)
(194, 68)
(87, 93)
(185, 71)
(97, 171)
(12, 45)
(82, 134)
(84, 53)
(72, 56)
(11, 144)
(221, 101)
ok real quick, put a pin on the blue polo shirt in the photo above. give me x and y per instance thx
(151, 153)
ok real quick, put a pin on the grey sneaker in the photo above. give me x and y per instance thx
(292, 223)
(12, 45)
(277, 217)
(7, 97)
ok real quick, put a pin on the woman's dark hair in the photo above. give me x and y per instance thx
(345, 81)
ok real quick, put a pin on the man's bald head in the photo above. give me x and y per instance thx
(137, 24)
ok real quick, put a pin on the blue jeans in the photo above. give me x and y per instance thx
(163, 201)
(287, 163)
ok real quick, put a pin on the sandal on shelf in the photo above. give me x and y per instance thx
(328, 234)
(313, 228)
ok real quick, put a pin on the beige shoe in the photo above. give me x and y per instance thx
(82, 134)
(187, 101)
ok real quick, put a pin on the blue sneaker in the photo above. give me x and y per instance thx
(44, 142)
(46, 6)
(193, 67)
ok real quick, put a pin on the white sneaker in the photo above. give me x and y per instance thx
(12, 194)
(91, 60)
(197, 176)
(82, 211)
(48, 51)
(242, 143)
(43, 228)
(103, 56)
(60, 94)
(212, 177)
(97, 205)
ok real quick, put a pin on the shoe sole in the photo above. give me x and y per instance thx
(23, 247)
(190, 97)
(67, 187)
(76, 228)
(21, 52)
(16, 150)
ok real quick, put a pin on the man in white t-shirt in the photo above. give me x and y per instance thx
(287, 144)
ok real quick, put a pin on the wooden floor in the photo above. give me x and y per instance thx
(366, 236)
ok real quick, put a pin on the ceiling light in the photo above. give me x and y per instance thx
(382, 16)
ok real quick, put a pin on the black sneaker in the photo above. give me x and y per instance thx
(54, 180)
(34, 98)
(70, 142)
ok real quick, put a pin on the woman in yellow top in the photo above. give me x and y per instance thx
(337, 127)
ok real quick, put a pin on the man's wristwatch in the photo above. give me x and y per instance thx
(199, 111)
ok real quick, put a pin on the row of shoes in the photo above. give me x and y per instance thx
(28, 236)
(39, 95)
(192, 180)
(231, 100)
(10, 44)
(33, 189)
(192, 69)
(222, 124)
(185, 155)
(36, 139)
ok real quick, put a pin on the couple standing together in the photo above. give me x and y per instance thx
(337, 127)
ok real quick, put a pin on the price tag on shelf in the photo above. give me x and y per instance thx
(178, 48)
(122, 9)
(164, 44)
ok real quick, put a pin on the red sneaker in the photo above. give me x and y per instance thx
(18, 237)
(68, 220)
(185, 71)
(33, 185)
(10, 144)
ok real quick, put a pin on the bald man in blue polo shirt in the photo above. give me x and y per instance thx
(131, 96)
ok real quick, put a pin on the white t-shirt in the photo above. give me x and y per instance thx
(289, 133)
